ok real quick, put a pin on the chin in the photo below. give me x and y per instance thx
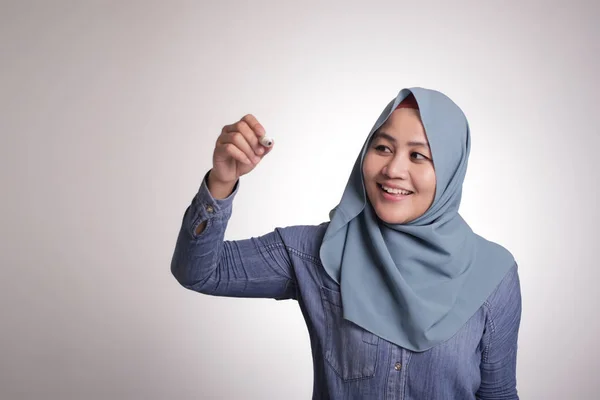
(392, 218)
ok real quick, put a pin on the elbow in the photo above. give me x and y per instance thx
(178, 272)
(182, 263)
(193, 264)
(188, 275)
(182, 270)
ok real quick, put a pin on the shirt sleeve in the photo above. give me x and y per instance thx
(258, 267)
(499, 356)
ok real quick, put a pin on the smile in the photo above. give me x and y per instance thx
(394, 191)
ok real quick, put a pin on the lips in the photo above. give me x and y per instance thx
(397, 190)
(393, 197)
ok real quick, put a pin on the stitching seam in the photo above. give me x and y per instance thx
(486, 350)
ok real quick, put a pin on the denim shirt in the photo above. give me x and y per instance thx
(478, 362)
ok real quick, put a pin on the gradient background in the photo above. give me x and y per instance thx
(109, 113)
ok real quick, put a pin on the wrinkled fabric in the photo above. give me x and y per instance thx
(349, 362)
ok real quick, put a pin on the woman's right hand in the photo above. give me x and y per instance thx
(237, 152)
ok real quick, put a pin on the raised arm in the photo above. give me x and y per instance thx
(203, 261)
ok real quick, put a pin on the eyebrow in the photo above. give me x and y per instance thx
(380, 134)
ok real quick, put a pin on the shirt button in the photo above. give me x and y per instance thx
(398, 366)
(210, 209)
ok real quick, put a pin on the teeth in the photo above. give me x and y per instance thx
(395, 191)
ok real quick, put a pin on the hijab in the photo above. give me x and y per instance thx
(414, 284)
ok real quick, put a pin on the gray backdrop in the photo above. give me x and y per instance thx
(109, 113)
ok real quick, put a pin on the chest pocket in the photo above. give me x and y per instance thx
(349, 349)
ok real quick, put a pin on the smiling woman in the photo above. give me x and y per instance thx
(398, 168)
(401, 298)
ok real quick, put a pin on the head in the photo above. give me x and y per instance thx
(398, 169)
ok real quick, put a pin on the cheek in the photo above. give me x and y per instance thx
(426, 181)
(368, 167)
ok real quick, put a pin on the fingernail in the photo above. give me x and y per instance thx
(260, 150)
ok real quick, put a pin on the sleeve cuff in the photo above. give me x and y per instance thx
(206, 206)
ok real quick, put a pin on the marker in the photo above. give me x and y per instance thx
(265, 141)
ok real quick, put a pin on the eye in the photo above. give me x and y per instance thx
(417, 155)
(382, 148)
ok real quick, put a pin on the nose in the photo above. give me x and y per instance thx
(397, 167)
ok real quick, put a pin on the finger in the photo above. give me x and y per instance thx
(264, 142)
(238, 139)
(253, 123)
(244, 129)
(232, 151)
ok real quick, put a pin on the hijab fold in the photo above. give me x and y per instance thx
(414, 284)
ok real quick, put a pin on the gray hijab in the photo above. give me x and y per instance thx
(414, 284)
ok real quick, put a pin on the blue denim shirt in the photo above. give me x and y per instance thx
(478, 362)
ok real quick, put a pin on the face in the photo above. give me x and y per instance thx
(398, 169)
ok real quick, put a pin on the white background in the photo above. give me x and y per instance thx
(109, 113)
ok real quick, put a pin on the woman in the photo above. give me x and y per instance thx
(401, 299)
